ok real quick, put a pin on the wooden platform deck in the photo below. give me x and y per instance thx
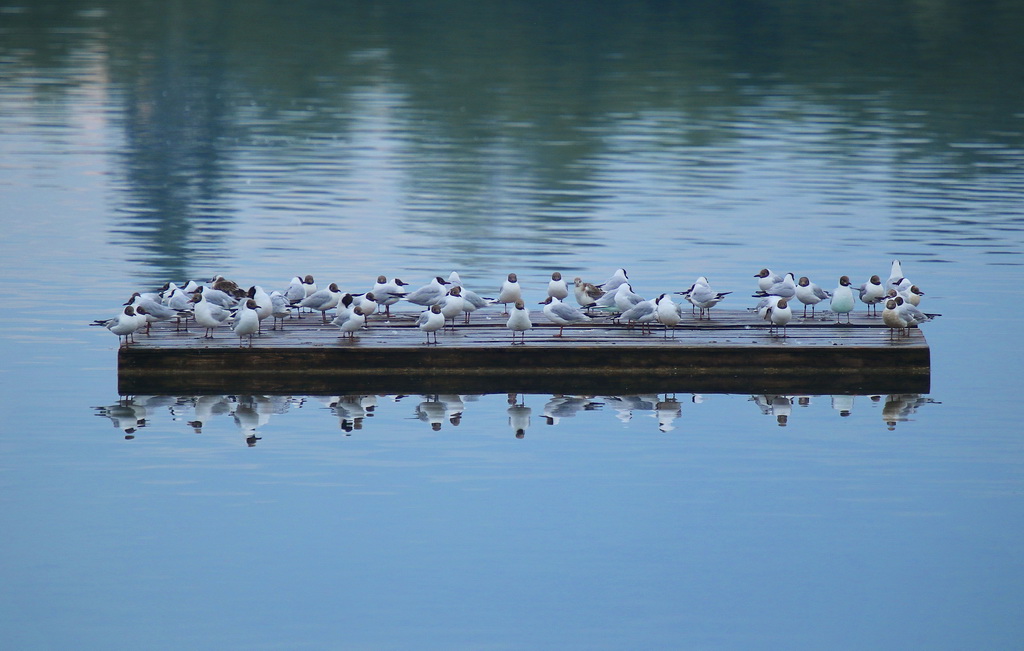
(731, 353)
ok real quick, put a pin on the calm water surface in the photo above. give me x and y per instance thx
(147, 142)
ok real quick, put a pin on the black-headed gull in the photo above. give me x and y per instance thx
(842, 299)
(786, 288)
(510, 292)
(430, 321)
(557, 287)
(809, 293)
(387, 293)
(208, 314)
(355, 321)
(779, 315)
(703, 297)
(323, 300)
(891, 317)
(766, 278)
(431, 293)
(562, 314)
(871, 294)
(123, 325)
(519, 321)
(247, 321)
(667, 313)
(618, 278)
(453, 304)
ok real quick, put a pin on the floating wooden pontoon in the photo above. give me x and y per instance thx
(733, 352)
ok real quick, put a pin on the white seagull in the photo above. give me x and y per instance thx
(667, 313)
(585, 293)
(842, 299)
(519, 321)
(323, 300)
(247, 321)
(778, 315)
(766, 278)
(562, 314)
(431, 293)
(430, 321)
(452, 305)
(809, 293)
(123, 325)
(510, 292)
(208, 314)
(871, 293)
(786, 288)
(557, 287)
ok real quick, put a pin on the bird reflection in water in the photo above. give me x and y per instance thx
(251, 413)
(900, 406)
(518, 415)
(352, 410)
(126, 415)
(563, 406)
(772, 405)
(431, 410)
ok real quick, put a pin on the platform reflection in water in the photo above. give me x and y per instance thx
(252, 414)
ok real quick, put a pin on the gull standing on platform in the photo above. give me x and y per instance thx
(344, 310)
(247, 321)
(154, 311)
(562, 314)
(388, 293)
(510, 292)
(264, 306)
(123, 325)
(871, 293)
(452, 305)
(895, 275)
(296, 291)
(323, 300)
(779, 315)
(356, 320)
(766, 278)
(280, 308)
(786, 288)
(430, 321)
(667, 313)
(431, 293)
(703, 297)
(892, 318)
(842, 299)
(557, 287)
(644, 313)
(809, 293)
(471, 301)
(207, 314)
(519, 321)
(586, 293)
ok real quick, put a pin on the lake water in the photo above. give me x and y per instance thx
(147, 142)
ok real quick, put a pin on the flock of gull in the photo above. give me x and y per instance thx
(223, 302)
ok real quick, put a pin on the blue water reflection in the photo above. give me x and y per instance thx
(252, 414)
